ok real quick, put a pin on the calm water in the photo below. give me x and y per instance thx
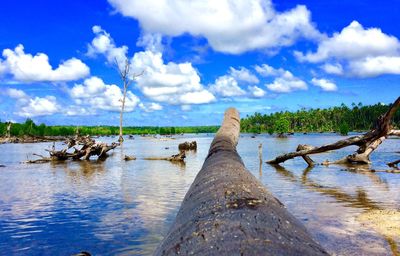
(124, 208)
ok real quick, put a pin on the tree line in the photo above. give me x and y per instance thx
(341, 119)
(30, 128)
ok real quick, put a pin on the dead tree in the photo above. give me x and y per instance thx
(127, 79)
(227, 211)
(89, 147)
(8, 132)
(366, 143)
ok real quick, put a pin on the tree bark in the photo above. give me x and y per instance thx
(227, 211)
(121, 139)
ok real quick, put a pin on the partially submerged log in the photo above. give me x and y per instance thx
(366, 143)
(180, 157)
(129, 158)
(188, 146)
(394, 164)
(228, 211)
(89, 147)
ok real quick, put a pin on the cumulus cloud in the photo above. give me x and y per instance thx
(93, 92)
(104, 44)
(244, 75)
(32, 107)
(324, 84)
(284, 80)
(28, 68)
(230, 26)
(227, 86)
(358, 52)
(151, 107)
(333, 68)
(172, 83)
(256, 91)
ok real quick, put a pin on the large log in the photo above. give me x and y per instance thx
(228, 211)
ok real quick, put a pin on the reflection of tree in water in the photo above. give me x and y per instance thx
(359, 200)
(80, 168)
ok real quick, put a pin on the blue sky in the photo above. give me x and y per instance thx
(57, 62)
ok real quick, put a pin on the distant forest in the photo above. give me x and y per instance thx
(340, 119)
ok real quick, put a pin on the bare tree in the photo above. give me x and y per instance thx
(127, 79)
(8, 133)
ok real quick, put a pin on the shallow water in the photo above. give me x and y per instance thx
(125, 208)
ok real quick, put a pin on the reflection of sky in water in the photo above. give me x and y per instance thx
(119, 207)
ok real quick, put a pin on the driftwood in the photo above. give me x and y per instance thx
(174, 158)
(366, 143)
(227, 211)
(129, 158)
(89, 147)
(188, 146)
(394, 164)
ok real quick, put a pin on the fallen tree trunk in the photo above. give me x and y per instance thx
(228, 211)
(366, 143)
(174, 158)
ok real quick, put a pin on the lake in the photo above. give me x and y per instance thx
(114, 207)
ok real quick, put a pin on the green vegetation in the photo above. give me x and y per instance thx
(30, 128)
(340, 119)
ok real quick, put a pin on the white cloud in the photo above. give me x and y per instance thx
(227, 86)
(31, 107)
(244, 75)
(324, 84)
(266, 70)
(95, 94)
(230, 26)
(284, 81)
(104, 44)
(40, 107)
(256, 91)
(28, 68)
(16, 94)
(286, 84)
(375, 66)
(333, 68)
(78, 111)
(172, 83)
(357, 52)
(151, 107)
(151, 42)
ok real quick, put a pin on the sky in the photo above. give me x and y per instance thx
(193, 59)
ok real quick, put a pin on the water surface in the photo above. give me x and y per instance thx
(115, 207)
